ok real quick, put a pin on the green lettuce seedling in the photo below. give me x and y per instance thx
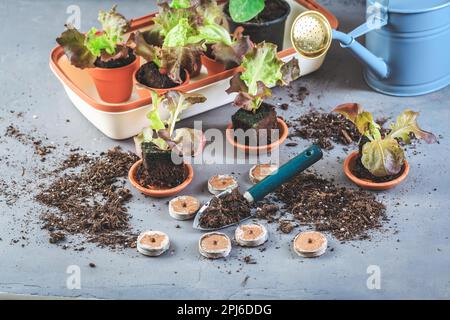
(245, 10)
(261, 69)
(162, 132)
(83, 50)
(382, 155)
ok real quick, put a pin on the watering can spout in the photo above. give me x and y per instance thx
(374, 63)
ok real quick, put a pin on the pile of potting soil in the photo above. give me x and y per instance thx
(91, 202)
(347, 213)
(325, 129)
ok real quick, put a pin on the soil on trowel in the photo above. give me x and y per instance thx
(150, 76)
(90, 202)
(164, 175)
(228, 209)
(347, 213)
(325, 129)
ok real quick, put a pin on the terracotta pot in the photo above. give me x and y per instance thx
(159, 193)
(283, 135)
(213, 66)
(163, 90)
(115, 85)
(349, 164)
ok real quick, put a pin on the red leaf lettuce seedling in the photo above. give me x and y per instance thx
(83, 50)
(382, 155)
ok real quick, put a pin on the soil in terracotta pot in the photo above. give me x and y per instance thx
(361, 172)
(265, 118)
(150, 76)
(158, 170)
(272, 11)
(118, 63)
(226, 210)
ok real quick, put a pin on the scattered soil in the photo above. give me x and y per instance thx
(286, 226)
(298, 95)
(347, 213)
(267, 212)
(325, 128)
(117, 63)
(164, 175)
(229, 209)
(39, 148)
(249, 260)
(150, 76)
(91, 203)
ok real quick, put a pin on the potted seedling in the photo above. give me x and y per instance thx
(380, 163)
(162, 171)
(263, 20)
(109, 59)
(257, 120)
(223, 51)
(169, 47)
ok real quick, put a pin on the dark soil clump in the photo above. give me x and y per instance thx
(91, 203)
(347, 213)
(258, 126)
(150, 76)
(325, 128)
(229, 209)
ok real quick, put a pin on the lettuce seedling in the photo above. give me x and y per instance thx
(245, 10)
(162, 132)
(261, 69)
(170, 60)
(83, 50)
(382, 155)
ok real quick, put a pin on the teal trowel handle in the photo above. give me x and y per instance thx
(300, 163)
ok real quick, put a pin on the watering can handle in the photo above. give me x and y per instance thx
(376, 17)
(296, 165)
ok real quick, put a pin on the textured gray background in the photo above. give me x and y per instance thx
(413, 253)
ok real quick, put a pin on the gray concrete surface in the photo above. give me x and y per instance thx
(413, 254)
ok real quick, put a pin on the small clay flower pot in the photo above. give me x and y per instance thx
(349, 164)
(161, 91)
(212, 66)
(159, 193)
(115, 85)
(284, 130)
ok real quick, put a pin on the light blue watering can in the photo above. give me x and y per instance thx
(408, 44)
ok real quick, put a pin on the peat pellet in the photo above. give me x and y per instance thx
(261, 171)
(184, 207)
(310, 244)
(153, 243)
(214, 245)
(251, 235)
(221, 182)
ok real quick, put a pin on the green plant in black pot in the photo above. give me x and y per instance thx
(262, 68)
(262, 20)
(161, 146)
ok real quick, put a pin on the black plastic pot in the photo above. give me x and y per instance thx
(270, 31)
